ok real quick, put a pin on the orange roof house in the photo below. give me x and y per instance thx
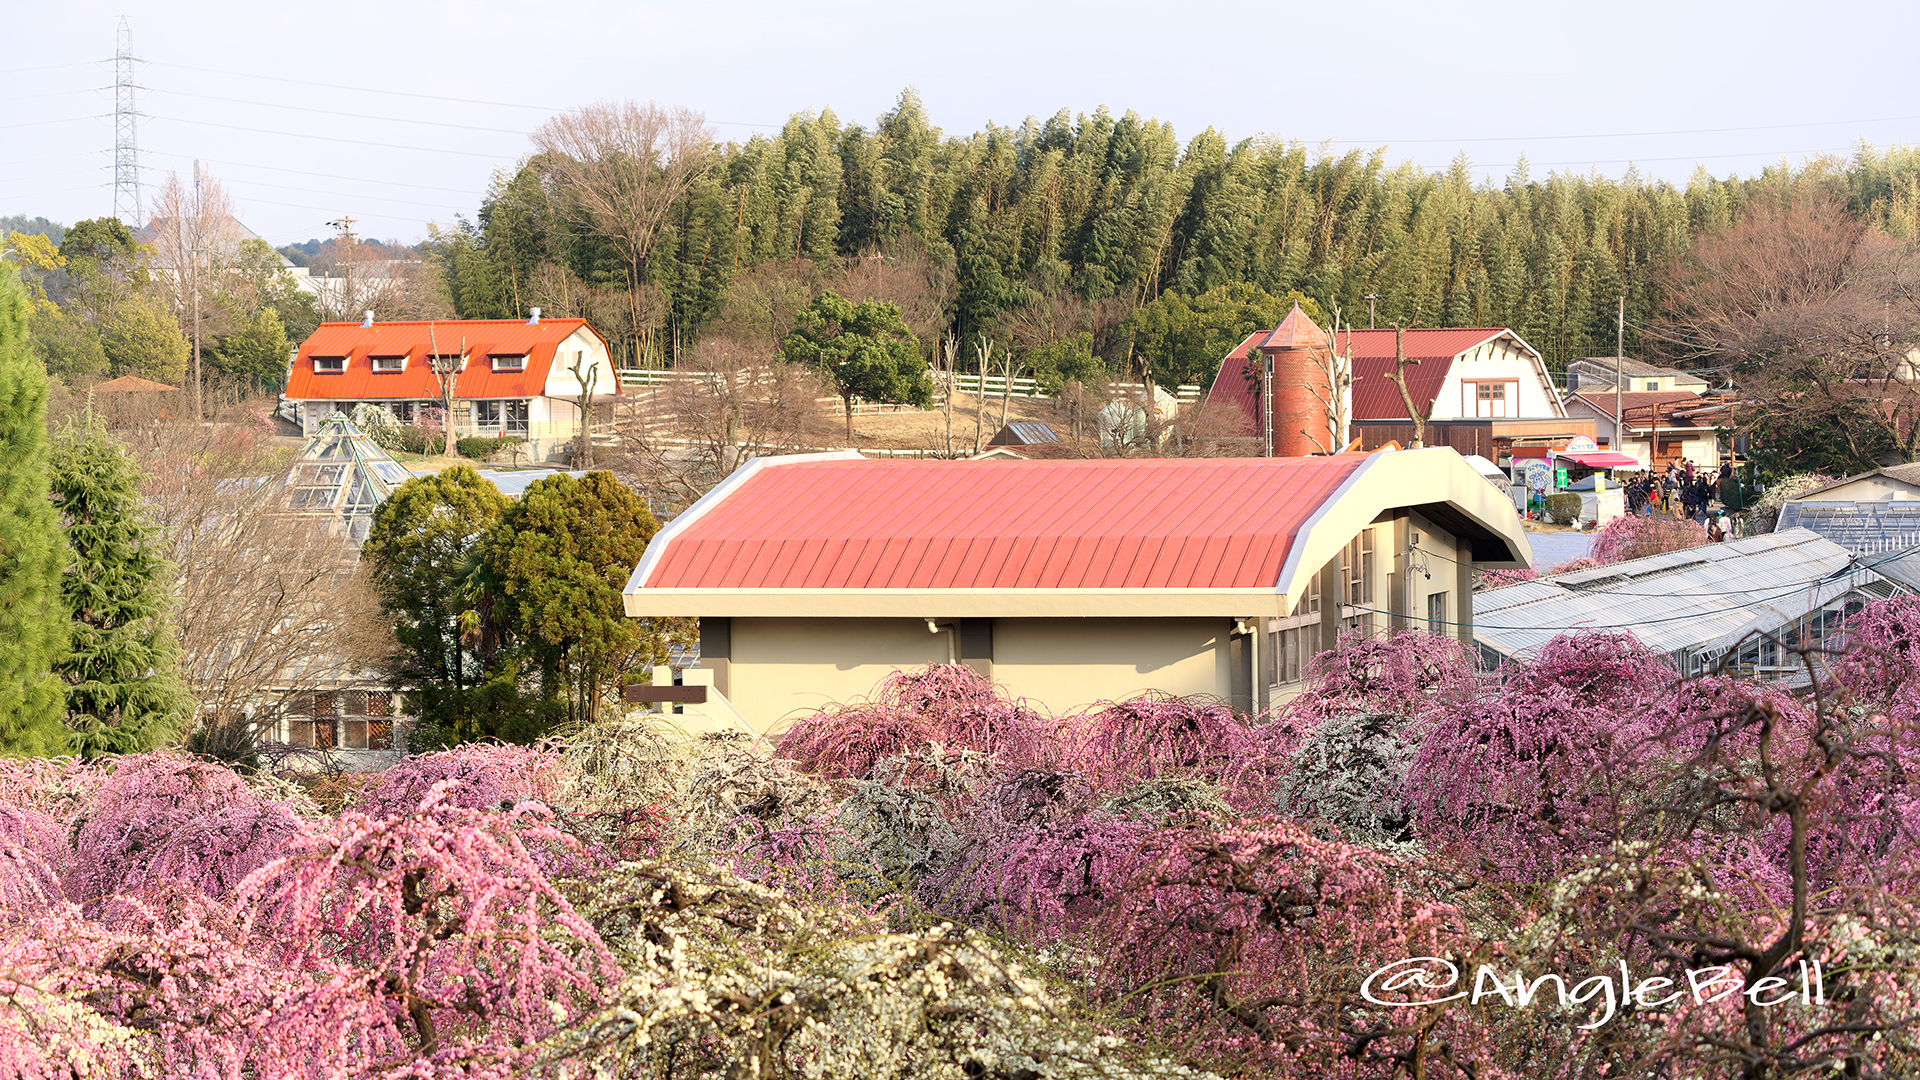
(514, 377)
(1069, 581)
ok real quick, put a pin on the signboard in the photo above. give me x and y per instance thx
(1537, 473)
(1580, 444)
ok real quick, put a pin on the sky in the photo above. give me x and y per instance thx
(396, 114)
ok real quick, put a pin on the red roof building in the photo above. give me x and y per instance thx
(511, 376)
(1477, 380)
(1068, 580)
(1660, 426)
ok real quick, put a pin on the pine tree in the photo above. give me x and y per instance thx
(32, 633)
(123, 688)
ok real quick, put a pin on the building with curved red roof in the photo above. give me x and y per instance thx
(513, 376)
(1069, 581)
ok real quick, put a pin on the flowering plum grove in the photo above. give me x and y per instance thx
(942, 881)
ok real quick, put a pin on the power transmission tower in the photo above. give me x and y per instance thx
(126, 142)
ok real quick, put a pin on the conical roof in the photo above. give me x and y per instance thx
(339, 475)
(1296, 331)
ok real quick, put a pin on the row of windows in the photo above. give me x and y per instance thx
(510, 415)
(1296, 638)
(389, 365)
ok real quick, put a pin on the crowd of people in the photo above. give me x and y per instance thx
(1685, 491)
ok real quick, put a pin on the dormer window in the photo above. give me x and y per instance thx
(450, 362)
(330, 364)
(510, 362)
(389, 363)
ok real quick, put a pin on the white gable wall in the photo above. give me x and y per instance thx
(584, 348)
(1501, 358)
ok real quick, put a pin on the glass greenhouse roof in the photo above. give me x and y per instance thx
(339, 474)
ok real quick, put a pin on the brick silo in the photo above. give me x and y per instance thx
(1298, 350)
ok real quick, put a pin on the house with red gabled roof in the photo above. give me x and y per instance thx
(1659, 427)
(1067, 581)
(519, 377)
(1482, 391)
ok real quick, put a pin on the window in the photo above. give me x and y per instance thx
(1356, 582)
(1437, 613)
(1492, 398)
(388, 364)
(1293, 637)
(509, 416)
(449, 362)
(329, 365)
(1653, 384)
(510, 363)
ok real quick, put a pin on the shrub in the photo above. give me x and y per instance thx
(1564, 507)
(480, 448)
(476, 775)
(948, 704)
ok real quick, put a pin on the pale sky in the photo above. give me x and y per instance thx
(257, 91)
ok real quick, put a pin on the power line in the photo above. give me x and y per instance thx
(1630, 134)
(60, 191)
(330, 138)
(355, 116)
(50, 67)
(411, 94)
(55, 93)
(339, 195)
(63, 120)
(324, 176)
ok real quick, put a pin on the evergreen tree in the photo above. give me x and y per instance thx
(31, 555)
(865, 348)
(558, 560)
(425, 551)
(123, 688)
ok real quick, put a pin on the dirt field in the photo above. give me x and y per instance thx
(913, 429)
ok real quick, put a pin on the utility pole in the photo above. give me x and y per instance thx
(1619, 380)
(126, 140)
(1370, 298)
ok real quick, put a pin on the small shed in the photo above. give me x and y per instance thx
(1873, 512)
(1024, 433)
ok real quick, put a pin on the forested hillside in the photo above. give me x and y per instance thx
(1104, 213)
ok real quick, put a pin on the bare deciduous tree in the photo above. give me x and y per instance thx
(1815, 316)
(269, 605)
(1335, 366)
(905, 277)
(195, 239)
(729, 400)
(626, 164)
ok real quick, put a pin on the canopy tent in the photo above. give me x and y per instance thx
(1602, 459)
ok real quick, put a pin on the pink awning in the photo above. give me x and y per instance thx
(1603, 459)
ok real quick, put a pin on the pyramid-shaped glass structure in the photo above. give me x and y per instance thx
(340, 476)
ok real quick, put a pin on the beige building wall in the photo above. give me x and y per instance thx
(781, 669)
(1068, 663)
